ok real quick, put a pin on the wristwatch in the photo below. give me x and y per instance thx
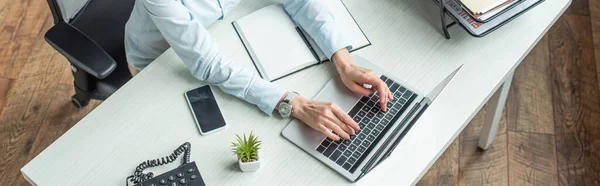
(285, 107)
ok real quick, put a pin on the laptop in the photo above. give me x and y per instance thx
(380, 131)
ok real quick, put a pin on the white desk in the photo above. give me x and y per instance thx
(148, 117)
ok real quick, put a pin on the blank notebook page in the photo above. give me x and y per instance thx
(272, 37)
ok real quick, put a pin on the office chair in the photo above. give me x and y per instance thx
(90, 34)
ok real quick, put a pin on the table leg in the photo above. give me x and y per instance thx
(494, 113)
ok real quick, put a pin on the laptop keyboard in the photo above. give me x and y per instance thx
(373, 123)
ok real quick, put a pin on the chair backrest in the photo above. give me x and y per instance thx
(103, 21)
(66, 10)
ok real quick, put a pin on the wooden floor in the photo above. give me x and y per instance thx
(549, 134)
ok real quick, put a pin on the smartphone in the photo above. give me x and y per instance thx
(205, 110)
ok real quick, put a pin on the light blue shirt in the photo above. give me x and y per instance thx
(156, 25)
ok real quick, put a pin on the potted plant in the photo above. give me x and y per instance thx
(246, 150)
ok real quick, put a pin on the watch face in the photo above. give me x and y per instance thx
(285, 109)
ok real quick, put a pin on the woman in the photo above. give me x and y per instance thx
(156, 25)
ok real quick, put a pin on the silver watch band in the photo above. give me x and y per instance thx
(290, 96)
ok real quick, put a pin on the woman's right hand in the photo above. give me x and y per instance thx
(324, 117)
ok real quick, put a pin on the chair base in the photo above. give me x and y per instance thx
(81, 97)
(79, 103)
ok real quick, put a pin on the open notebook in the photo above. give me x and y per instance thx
(278, 47)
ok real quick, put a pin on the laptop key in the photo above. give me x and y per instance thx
(338, 141)
(374, 98)
(356, 154)
(370, 138)
(356, 142)
(375, 120)
(347, 153)
(354, 110)
(362, 113)
(356, 119)
(370, 126)
(347, 166)
(370, 115)
(364, 131)
(375, 109)
(364, 99)
(352, 148)
(325, 143)
(402, 89)
(379, 127)
(340, 161)
(389, 82)
(370, 103)
(342, 147)
(366, 143)
(362, 136)
(379, 115)
(394, 110)
(398, 106)
(365, 109)
(402, 101)
(351, 160)
(394, 87)
(397, 95)
(346, 142)
(389, 116)
(383, 78)
(329, 150)
(364, 121)
(407, 95)
(321, 149)
(335, 155)
(375, 132)
(360, 149)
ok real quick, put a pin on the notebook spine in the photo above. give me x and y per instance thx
(310, 47)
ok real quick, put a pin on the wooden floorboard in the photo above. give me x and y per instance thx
(445, 170)
(478, 167)
(26, 108)
(5, 85)
(33, 19)
(529, 104)
(532, 159)
(578, 7)
(576, 101)
(20, 28)
(595, 21)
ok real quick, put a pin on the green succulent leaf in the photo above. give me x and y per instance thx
(246, 148)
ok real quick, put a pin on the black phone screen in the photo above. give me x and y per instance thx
(205, 109)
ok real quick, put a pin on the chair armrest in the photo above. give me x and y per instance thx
(80, 50)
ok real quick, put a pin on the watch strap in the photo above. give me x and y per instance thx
(290, 96)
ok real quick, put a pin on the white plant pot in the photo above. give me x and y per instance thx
(249, 166)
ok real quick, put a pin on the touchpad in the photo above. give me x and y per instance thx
(335, 91)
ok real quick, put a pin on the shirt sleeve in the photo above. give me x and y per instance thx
(317, 20)
(193, 44)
